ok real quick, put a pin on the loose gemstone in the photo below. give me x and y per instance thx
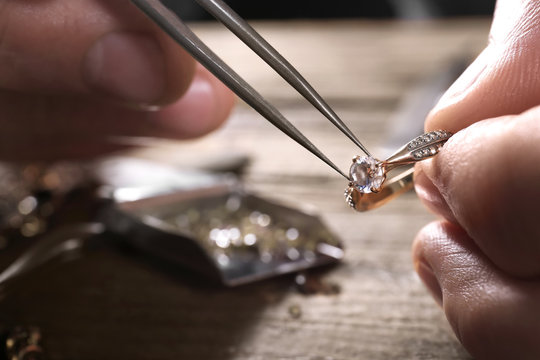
(366, 174)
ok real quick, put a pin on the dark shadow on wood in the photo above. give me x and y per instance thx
(119, 305)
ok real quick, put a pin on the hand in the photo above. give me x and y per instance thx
(75, 75)
(481, 261)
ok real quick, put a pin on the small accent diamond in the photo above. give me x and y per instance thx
(348, 196)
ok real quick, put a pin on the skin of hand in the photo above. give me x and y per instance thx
(481, 260)
(77, 74)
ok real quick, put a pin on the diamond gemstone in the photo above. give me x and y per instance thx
(366, 174)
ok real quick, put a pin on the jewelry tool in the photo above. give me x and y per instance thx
(367, 175)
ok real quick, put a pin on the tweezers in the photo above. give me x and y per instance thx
(171, 23)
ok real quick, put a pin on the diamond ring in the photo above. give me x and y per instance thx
(369, 188)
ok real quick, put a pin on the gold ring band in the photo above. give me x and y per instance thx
(392, 188)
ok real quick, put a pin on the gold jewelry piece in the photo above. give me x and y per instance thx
(368, 188)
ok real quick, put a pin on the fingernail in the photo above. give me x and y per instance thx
(192, 115)
(426, 274)
(430, 195)
(126, 65)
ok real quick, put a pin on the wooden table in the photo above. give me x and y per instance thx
(109, 306)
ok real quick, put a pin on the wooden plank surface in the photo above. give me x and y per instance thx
(110, 306)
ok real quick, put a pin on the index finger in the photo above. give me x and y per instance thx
(486, 180)
(503, 80)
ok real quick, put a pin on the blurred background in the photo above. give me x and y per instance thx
(122, 296)
(309, 9)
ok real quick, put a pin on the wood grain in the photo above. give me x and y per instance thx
(111, 306)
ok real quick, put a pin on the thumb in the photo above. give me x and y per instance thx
(102, 47)
(503, 80)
